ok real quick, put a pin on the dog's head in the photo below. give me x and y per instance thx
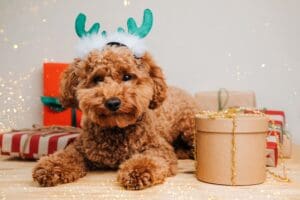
(112, 87)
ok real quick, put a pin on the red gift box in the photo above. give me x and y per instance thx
(277, 128)
(277, 116)
(52, 73)
(33, 144)
(277, 121)
(272, 151)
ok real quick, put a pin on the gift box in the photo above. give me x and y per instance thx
(277, 124)
(277, 127)
(277, 116)
(54, 114)
(272, 151)
(37, 142)
(222, 99)
(231, 148)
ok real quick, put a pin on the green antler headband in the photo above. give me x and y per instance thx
(133, 39)
(144, 29)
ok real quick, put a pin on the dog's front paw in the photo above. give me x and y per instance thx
(49, 173)
(46, 177)
(141, 172)
(135, 179)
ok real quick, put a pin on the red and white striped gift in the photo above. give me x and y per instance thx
(277, 121)
(278, 125)
(272, 154)
(34, 144)
(272, 151)
(277, 116)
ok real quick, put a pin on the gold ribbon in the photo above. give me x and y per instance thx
(230, 113)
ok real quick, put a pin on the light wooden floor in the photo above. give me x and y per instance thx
(16, 183)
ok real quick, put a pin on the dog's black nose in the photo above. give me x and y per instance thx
(113, 103)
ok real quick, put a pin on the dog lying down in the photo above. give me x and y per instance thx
(132, 121)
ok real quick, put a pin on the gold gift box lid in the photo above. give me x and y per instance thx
(222, 122)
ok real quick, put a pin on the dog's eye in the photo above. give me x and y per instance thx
(97, 79)
(127, 77)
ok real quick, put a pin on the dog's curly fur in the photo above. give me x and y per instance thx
(140, 139)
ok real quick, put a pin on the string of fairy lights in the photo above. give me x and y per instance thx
(15, 85)
(14, 99)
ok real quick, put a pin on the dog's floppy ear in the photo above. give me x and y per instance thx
(69, 81)
(160, 86)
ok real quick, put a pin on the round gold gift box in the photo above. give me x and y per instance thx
(214, 149)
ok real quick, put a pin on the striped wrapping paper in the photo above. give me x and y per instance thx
(277, 135)
(277, 128)
(277, 122)
(277, 116)
(34, 144)
(272, 151)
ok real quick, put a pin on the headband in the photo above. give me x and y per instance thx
(133, 39)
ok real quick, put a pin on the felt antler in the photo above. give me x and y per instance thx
(80, 26)
(144, 29)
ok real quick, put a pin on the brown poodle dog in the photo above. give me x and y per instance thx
(131, 121)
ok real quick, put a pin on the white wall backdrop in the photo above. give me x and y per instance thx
(201, 45)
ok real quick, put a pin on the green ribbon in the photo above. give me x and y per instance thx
(222, 104)
(54, 104)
